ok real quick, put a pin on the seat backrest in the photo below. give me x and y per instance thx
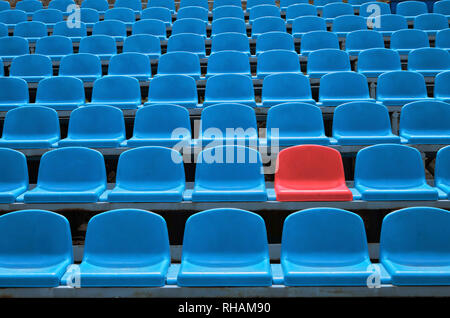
(443, 39)
(61, 5)
(411, 8)
(441, 7)
(431, 21)
(429, 58)
(442, 171)
(401, 84)
(333, 10)
(157, 13)
(130, 64)
(98, 5)
(179, 63)
(89, 15)
(121, 14)
(228, 62)
(195, 12)
(284, 4)
(4, 5)
(191, 25)
(29, 6)
(316, 40)
(324, 2)
(374, 8)
(142, 43)
(191, 3)
(364, 39)
(13, 16)
(328, 60)
(3, 30)
(13, 90)
(169, 4)
(379, 59)
(15, 170)
(425, 117)
(278, 61)
(409, 39)
(48, 16)
(300, 10)
(60, 89)
(30, 29)
(286, 86)
(54, 45)
(80, 64)
(230, 41)
(254, 3)
(228, 87)
(150, 26)
(275, 41)
(119, 88)
(31, 65)
(307, 24)
(224, 25)
(61, 28)
(343, 84)
(98, 44)
(268, 24)
(161, 90)
(349, 23)
(264, 10)
(390, 22)
(228, 11)
(136, 5)
(187, 42)
(13, 45)
(110, 27)
(442, 85)
(222, 3)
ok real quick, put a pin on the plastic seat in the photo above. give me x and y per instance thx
(321, 3)
(342, 87)
(126, 15)
(264, 10)
(72, 174)
(31, 67)
(374, 62)
(426, 122)
(404, 41)
(324, 61)
(225, 25)
(431, 23)
(411, 9)
(306, 24)
(228, 62)
(277, 61)
(340, 258)
(14, 178)
(374, 9)
(54, 46)
(195, 12)
(103, 46)
(4, 5)
(161, 91)
(222, 3)
(390, 23)
(48, 16)
(61, 5)
(151, 27)
(299, 10)
(120, 91)
(296, 123)
(13, 93)
(144, 44)
(362, 123)
(228, 11)
(413, 246)
(442, 39)
(13, 46)
(27, 264)
(429, 61)
(398, 88)
(274, 41)
(229, 173)
(229, 88)
(244, 261)
(99, 5)
(310, 173)
(267, 24)
(358, 41)
(158, 13)
(84, 66)
(135, 5)
(286, 87)
(442, 86)
(230, 42)
(136, 65)
(31, 30)
(29, 7)
(284, 4)
(114, 28)
(254, 3)
(336, 9)
(441, 171)
(161, 125)
(194, 26)
(179, 63)
(317, 40)
(12, 17)
(168, 4)
(347, 23)
(187, 42)
(60, 93)
(3, 30)
(125, 248)
(74, 34)
(89, 17)
(442, 7)
(191, 3)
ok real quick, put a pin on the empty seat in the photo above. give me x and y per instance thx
(157, 13)
(195, 12)
(413, 246)
(14, 178)
(426, 122)
(161, 91)
(299, 10)
(404, 41)
(4, 5)
(3, 30)
(185, 63)
(84, 66)
(168, 4)
(336, 9)
(442, 7)
(12, 17)
(316, 40)
(135, 5)
(194, 26)
(429, 61)
(187, 42)
(277, 61)
(27, 264)
(442, 86)
(72, 174)
(283, 88)
(228, 11)
(114, 28)
(387, 24)
(61, 5)
(13, 93)
(347, 23)
(244, 262)
(411, 9)
(398, 88)
(374, 62)
(136, 65)
(442, 172)
(292, 124)
(431, 22)
(374, 9)
(55, 46)
(230, 42)
(12, 46)
(340, 258)
(267, 24)
(161, 125)
(60, 93)
(30, 127)
(306, 24)
(151, 27)
(222, 3)
(274, 41)
(31, 67)
(442, 39)
(99, 5)
(144, 44)
(254, 3)
(358, 41)
(191, 3)
(324, 61)
(48, 16)
(31, 30)
(89, 17)
(362, 123)
(29, 7)
(74, 34)
(126, 15)
(310, 173)
(392, 172)
(229, 88)
(229, 173)
(225, 25)
(264, 10)
(226, 62)
(120, 91)
(321, 3)
(342, 87)
(103, 46)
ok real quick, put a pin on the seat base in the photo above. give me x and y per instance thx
(340, 193)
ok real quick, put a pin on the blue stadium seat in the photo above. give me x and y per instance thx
(267, 24)
(343, 87)
(61, 5)
(161, 91)
(431, 23)
(29, 7)
(225, 25)
(72, 174)
(390, 23)
(60, 93)
(228, 62)
(404, 41)
(442, 39)
(392, 172)
(126, 15)
(136, 65)
(397, 88)
(321, 3)
(24, 263)
(144, 44)
(191, 3)
(3, 30)
(442, 7)
(195, 12)
(413, 246)
(229, 88)
(324, 61)
(442, 86)
(362, 123)
(411, 9)
(297, 123)
(356, 4)
(222, 3)
(245, 262)
(135, 5)
(336, 9)
(4, 5)
(230, 42)
(194, 26)
(114, 28)
(347, 23)
(120, 91)
(225, 124)
(229, 11)
(12, 17)
(299, 10)
(187, 42)
(152, 27)
(340, 258)
(13, 46)
(426, 122)
(265, 10)
(429, 61)
(306, 24)
(179, 63)
(84, 66)
(31, 67)
(14, 178)
(254, 3)
(89, 17)
(374, 8)
(316, 40)
(286, 87)
(13, 93)
(30, 127)
(99, 5)
(277, 61)
(55, 47)
(162, 125)
(358, 41)
(48, 16)
(374, 62)
(96, 127)
(274, 41)
(441, 171)
(168, 4)
(74, 34)
(284, 4)
(125, 248)
(103, 46)
(158, 13)
(31, 30)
